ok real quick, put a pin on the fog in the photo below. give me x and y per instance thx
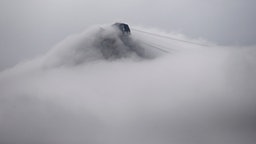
(186, 94)
(31, 27)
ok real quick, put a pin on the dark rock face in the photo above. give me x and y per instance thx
(118, 43)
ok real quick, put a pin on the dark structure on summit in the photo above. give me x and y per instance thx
(119, 43)
(124, 28)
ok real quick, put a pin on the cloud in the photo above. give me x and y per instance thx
(99, 42)
(192, 94)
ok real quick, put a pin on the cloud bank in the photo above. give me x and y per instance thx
(189, 94)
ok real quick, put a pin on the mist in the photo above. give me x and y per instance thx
(31, 27)
(182, 93)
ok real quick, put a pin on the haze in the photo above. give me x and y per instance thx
(31, 27)
(192, 82)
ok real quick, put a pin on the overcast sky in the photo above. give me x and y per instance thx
(31, 27)
(160, 91)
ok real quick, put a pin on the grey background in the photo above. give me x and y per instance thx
(31, 27)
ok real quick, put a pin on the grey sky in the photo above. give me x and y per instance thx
(80, 92)
(30, 27)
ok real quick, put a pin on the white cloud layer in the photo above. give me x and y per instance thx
(72, 95)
